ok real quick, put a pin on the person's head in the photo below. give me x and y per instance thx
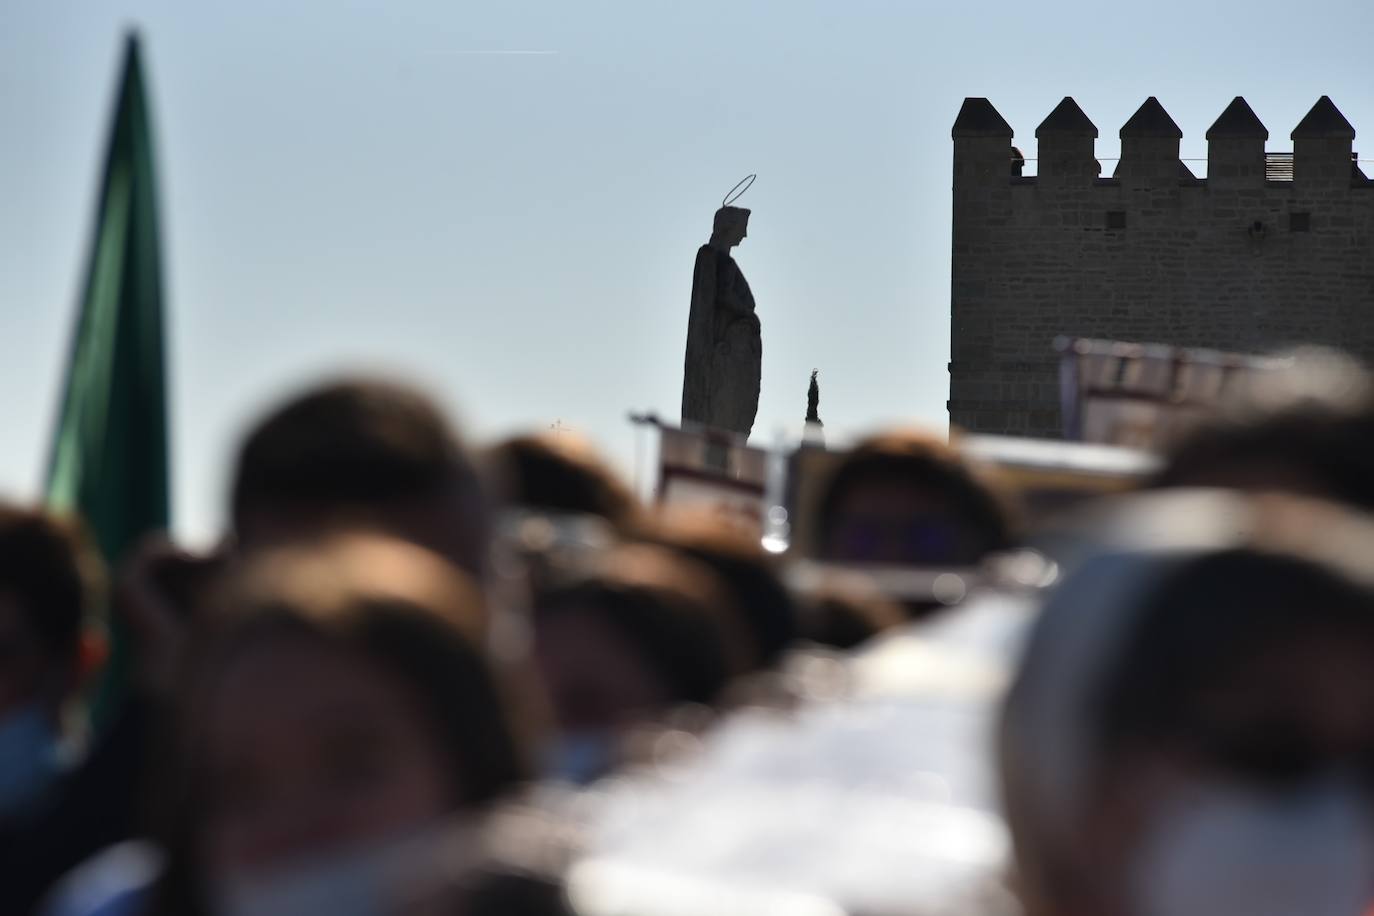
(51, 581)
(1306, 429)
(641, 632)
(360, 453)
(1315, 451)
(339, 697)
(562, 474)
(1192, 728)
(904, 498)
(730, 227)
(767, 612)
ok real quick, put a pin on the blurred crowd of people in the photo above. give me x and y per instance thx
(397, 684)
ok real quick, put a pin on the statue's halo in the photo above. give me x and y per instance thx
(738, 190)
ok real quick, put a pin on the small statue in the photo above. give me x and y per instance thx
(813, 433)
(724, 360)
(813, 400)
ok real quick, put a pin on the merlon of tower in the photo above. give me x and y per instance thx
(1067, 118)
(1151, 120)
(977, 118)
(1238, 120)
(1323, 122)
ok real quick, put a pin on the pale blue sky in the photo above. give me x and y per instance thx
(364, 184)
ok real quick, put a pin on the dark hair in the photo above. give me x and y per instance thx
(396, 604)
(920, 460)
(1326, 449)
(764, 604)
(556, 473)
(671, 609)
(354, 442)
(1205, 620)
(54, 574)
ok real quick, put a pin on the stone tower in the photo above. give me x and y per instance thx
(1269, 249)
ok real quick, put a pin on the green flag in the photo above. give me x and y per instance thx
(109, 452)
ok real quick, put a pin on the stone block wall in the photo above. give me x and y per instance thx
(1238, 261)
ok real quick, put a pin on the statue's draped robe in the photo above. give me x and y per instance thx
(721, 373)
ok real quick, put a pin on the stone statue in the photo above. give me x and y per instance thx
(813, 433)
(813, 400)
(720, 381)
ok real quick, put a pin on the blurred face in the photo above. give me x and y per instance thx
(1293, 710)
(596, 678)
(310, 749)
(889, 521)
(1274, 767)
(25, 666)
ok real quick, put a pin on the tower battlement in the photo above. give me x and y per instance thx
(1268, 249)
(1322, 151)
